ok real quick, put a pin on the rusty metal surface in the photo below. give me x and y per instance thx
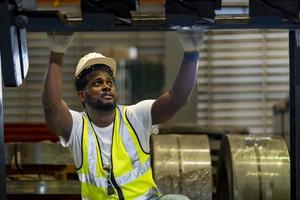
(182, 165)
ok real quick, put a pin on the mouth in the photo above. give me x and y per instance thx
(107, 96)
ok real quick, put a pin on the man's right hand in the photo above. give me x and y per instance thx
(59, 42)
(57, 114)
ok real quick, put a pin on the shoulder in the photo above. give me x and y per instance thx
(76, 128)
(76, 116)
(77, 122)
(140, 113)
(140, 107)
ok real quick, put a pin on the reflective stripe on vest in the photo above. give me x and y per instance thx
(92, 172)
(121, 180)
(136, 172)
(93, 180)
(152, 194)
(128, 144)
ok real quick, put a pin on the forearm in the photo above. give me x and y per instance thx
(170, 102)
(186, 78)
(57, 114)
(52, 97)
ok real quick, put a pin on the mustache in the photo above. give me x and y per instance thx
(107, 94)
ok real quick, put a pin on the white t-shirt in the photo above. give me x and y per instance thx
(139, 116)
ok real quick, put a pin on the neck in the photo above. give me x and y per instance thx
(101, 118)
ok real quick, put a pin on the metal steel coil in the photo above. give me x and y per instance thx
(37, 154)
(43, 187)
(253, 167)
(182, 165)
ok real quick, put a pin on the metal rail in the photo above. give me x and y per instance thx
(152, 23)
(294, 51)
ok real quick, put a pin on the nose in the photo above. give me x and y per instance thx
(106, 87)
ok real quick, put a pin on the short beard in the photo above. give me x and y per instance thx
(99, 105)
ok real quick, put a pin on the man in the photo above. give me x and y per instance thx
(110, 142)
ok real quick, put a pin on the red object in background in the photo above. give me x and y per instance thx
(16, 132)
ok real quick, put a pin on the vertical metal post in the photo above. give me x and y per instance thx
(294, 50)
(3, 18)
(2, 153)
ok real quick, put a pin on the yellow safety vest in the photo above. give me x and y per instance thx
(130, 176)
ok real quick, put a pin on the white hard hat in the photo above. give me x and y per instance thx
(91, 59)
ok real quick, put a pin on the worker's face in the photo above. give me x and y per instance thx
(100, 92)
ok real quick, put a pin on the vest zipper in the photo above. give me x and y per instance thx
(111, 181)
(110, 187)
(112, 176)
(119, 191)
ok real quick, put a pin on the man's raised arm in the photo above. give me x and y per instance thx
(57, 114)
(170, 102)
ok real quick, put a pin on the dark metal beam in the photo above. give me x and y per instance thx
(52, 25)
(9, 47)
(44, 21)
(294, 45)
(2, 149)
(3, 5)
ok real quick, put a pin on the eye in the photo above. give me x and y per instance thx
(110, 83)
(97, 82)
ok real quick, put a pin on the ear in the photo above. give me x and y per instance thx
(81, 95)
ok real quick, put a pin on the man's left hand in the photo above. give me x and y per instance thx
(191, 40)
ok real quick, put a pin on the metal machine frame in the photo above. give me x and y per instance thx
(53, 21)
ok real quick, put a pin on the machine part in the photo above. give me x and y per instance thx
(23, 51)
(148, 18)
(37, 154)
(43, 188)
(13, 49)
(20, 55)
(274, 11)
(26, 5)
(253, 167)
(16, 78)
(2, 147)
(102, 13)
(118, 8)
(98, 19)
(281, 119)
(182, 165)
(21, 21)
(188, 12)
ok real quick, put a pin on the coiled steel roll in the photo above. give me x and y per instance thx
(182, 165)
(254, 167)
